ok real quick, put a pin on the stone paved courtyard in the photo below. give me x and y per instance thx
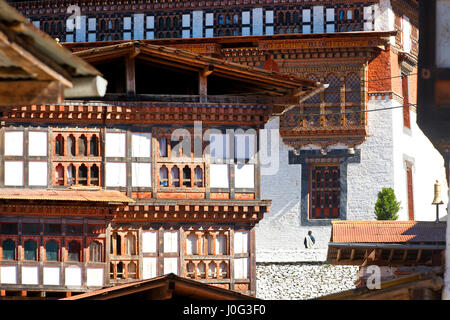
(301, 281)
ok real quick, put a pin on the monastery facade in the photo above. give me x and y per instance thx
(333, 84)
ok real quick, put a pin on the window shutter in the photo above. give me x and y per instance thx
(149, 266)
(149, 241)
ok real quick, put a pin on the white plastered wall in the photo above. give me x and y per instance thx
(428, 166)
(280, 235)
(384, 17)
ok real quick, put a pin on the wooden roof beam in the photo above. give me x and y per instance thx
(391, 254)
(130, 74)
(338, 257)
(35, 67)
(170, 64)
(31, 92)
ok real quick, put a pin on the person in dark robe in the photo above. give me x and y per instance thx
(309, 240)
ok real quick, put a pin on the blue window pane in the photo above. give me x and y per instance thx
(51, 251)
(8, 250)
(30, 250)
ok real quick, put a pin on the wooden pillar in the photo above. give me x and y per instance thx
(217, 270)
(342, 104)
(76, 137)
(203, 83)
(88, 174)
(214, 235)
(202, 86)
(88, 144)
(199, 242)
(130, 72)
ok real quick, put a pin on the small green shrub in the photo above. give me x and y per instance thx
(387, 206)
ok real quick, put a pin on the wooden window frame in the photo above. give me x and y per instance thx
(58, 240)
(334, 213)
(405, 94)
(15, 239)
(67, 241)
(410, 191)
(37, 240)
(102, 242)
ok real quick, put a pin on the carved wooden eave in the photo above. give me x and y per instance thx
(194, 211)
(328, 139)
(72, 202)
(46, 209)
(139, 113)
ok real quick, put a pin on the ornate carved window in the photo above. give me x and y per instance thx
(324, 185)
(71, 146)
(74, 251)
(131, 244)
(95, 252)
(51, 251)
(59, 175)
(186, 176)
(82, 175)
(163, 177)
(124, 248)
(116, 244)
(200, 244)
(95, 180)
(175, 175)
(405, 92)
(352, 88)
(71, 173)
(59, 145)
(9, 250)
(82, 145)
(30, 250)
(332, 93)
(132, 270)
(198, 180)
(76, 158)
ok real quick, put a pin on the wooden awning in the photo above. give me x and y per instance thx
(34, 68)
(272, 83)
(164, 287)
(108, 196)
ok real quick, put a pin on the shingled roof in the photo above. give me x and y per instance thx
(387, 231)
(387, 243)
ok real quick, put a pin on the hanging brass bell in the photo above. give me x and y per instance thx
(437, 193)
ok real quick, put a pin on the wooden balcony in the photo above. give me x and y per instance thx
(324, 126)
